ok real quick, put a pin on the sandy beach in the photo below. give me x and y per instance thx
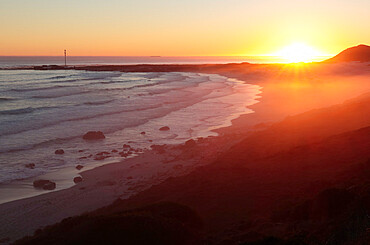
(286, 91)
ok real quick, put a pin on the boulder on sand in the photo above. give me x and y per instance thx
(30, 165)
(79, 167)
(102, 153)
(44, 184)
(94, 135)
(77, 179)
(49, 186)
(59, 152)
(99, 158)
(165, 128)
(143, 133)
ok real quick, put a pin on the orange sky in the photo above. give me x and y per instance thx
(179, 28)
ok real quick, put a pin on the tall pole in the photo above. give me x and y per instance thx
(65, 57)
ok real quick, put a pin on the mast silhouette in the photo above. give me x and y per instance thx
(65, 57)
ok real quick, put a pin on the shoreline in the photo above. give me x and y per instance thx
(50, 208)
(23, 188)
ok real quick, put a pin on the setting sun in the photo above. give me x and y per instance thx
(299, 52)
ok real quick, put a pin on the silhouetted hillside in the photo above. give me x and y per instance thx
(161, 224)
(359, 53)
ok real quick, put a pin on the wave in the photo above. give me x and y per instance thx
(58, 77)
(17, 111)
(2, 99)
(59, 95)
(25, 110)
(37, 89)
(102, 102)
(81, 119)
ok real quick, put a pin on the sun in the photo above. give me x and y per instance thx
(298, 52)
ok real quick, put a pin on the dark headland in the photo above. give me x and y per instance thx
(360, 53)
(296, 171)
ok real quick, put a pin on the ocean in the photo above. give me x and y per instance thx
(24, 61)
(42, 111)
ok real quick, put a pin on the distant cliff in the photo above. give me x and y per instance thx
(359, 53)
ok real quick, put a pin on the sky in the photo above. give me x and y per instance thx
(179, 28)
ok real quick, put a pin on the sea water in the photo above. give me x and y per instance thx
(42, 111)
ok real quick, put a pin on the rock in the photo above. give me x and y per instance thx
(142, 133)
(102, 153)
(44, 184)
(94, 135)
(114, 151)
(59, 152)
(123, 154)
(126, 146)
(77, 179)
(99, 158)
(81, 158)
(165, 128)
(190, 143)
(30, 165)
(40, 183)
(49, 186)
(79, 167)
(81, 151)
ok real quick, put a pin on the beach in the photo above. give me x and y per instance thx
(286, 91)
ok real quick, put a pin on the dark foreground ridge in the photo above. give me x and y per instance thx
(304, 180)
(360, 53)
(162, 224)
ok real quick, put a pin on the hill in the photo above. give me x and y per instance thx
(360, 53)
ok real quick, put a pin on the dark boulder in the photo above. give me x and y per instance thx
(94, 135)
(79, 167)
(59, 152)
(44, 184)
(77, 179)
(49, 186)
(30, 165)
(99, 158)
(126, 146)
(114, 151)
(165, 128)
(142, 133)
(123, 154)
